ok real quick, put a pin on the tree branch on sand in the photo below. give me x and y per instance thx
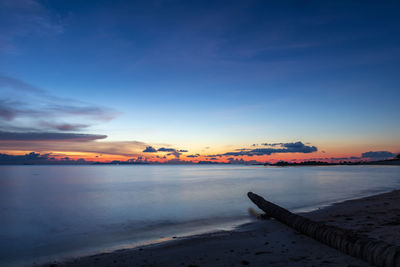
(371, 250)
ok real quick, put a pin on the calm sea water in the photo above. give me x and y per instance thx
(51, 212)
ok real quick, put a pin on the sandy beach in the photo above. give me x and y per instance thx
(266, 242)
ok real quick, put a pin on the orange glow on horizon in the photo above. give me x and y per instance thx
(335, 155)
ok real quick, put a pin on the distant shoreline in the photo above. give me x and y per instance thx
(323, 163)
(389, 162)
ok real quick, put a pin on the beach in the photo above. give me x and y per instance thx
(266, 241)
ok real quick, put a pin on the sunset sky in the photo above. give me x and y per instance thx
(200, 80)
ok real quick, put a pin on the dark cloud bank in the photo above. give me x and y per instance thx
(172, 151)
(297, 147)
(149, 149)
(48, 136)
(163, 149)
(377, 155)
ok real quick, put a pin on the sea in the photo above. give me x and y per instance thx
(52, 213)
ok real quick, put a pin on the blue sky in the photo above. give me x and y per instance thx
(222, 74)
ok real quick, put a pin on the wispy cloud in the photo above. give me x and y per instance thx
(49, 136)
(10, 109)
(94, 112)
(65, 126)
(33, 120)
(16, 84)
(7, 112)
(21, 102)
(175, 153)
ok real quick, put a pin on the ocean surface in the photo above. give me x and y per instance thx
(56, 212)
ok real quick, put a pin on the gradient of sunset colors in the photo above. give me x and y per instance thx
(221, 81)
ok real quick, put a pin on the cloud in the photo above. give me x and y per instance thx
(297, 147)
(10, 110)
(32, 120)
(175, 153)
(272, 144)
(172, 151)
(193, 156)
(6, 111)
(163, 149)
(65, 126)
(149, 149)
(15, 84)
(23, 105)
(119, 148)
(377, 155)
(48, 136)
(89, 111)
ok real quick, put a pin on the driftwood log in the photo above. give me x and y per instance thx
(371, 250)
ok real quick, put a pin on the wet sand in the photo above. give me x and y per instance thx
(266, 242)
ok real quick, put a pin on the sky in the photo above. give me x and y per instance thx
(175, 81)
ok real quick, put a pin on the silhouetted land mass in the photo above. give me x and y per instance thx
(395, 161)
(47, 159)
(38, 159)
(118, 162)
(208, 162)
